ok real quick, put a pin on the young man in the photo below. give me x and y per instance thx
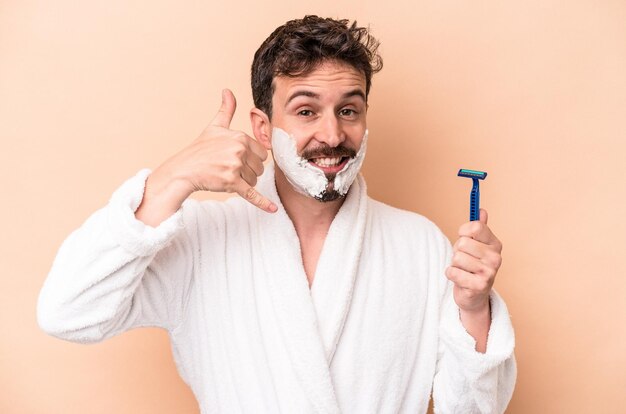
(303, 295)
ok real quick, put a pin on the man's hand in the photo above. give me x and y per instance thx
(474, 266)
(220, 159)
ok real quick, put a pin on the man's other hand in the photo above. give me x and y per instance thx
(220, 159)
(475, 263)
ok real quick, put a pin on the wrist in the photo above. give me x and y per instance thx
(478, 311)
(162, 197)
(168, 189)
(477, 323)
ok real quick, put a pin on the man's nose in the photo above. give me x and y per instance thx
(331, 131)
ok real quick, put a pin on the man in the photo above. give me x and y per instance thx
(303, 295)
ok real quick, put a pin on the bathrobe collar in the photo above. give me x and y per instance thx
(311, 321)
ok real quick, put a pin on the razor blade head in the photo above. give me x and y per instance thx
(472, 174)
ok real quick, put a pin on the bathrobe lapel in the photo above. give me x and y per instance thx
(311, 321)
(337, 267)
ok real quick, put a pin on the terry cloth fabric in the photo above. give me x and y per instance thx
(377, 331)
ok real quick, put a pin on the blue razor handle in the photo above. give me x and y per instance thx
(475, 193)
(475, 200)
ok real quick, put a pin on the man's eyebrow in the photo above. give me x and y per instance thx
(354, 92)
(302, 93)
(349, 94)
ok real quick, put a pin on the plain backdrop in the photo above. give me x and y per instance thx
(533, 92)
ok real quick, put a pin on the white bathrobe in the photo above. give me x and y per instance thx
(376, 333)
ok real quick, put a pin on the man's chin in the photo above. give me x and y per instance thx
(329, 195)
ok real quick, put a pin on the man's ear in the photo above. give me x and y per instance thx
(261, 127)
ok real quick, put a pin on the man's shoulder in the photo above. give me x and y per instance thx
(200, 213)
(388, 212)
(402, 220)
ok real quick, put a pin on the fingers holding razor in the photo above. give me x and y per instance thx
(475, 263)
(480, 231)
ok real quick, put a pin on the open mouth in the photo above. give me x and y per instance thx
(329, 164)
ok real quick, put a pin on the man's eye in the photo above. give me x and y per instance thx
(305, 112)
(347, 112)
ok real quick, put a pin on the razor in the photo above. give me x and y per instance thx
(475, 194)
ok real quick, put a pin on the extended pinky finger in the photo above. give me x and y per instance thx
(251, 195)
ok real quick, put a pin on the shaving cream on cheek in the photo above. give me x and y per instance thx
(345, 177)
(306, 178)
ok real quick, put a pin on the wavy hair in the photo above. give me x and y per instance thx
(299, 46)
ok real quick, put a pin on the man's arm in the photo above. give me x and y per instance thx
(476, 369)
(115, 272)
(122, 266)
(468, 381)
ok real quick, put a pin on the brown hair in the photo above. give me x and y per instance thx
(299, 46)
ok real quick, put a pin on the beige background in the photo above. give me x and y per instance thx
(534, 92)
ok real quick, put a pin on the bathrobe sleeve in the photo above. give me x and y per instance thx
(467, 381)
(115, 273)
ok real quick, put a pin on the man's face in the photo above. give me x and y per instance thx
(325, 112)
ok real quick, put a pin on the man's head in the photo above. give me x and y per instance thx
(310, 82)
(299, 46)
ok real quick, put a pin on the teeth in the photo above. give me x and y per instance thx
(327, 162)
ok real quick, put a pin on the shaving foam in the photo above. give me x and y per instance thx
(306, 178)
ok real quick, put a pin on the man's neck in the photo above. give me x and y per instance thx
(311, 218)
